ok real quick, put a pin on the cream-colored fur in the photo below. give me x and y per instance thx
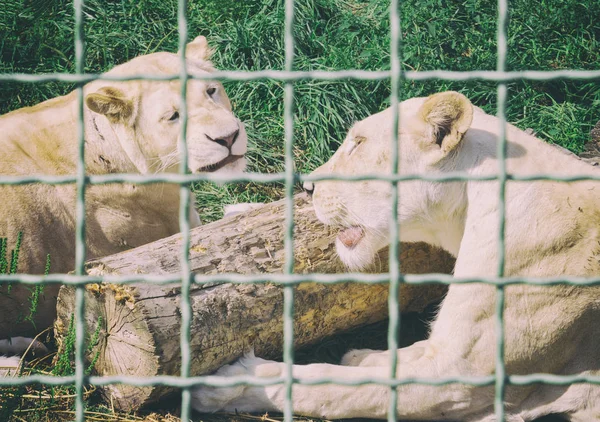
(130, 127)
(552, 229)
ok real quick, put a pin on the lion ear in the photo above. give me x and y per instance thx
(110, 102)
(199, 49)
(447, 116)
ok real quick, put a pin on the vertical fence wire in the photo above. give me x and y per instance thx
(501, 38)
(394, 251)
(80, 218)
(184, 210)
(288, 291)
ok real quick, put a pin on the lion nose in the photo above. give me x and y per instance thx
(309, 187)
(227, 140)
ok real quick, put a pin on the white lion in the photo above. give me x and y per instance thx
(130, 127)
(552, 229)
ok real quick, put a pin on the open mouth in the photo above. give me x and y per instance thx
(351, 236)
(216, 166)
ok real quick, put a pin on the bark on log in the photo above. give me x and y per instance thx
(140, 323)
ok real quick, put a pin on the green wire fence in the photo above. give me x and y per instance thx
(288, 280)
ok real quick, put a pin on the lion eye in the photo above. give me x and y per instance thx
(174, 117)
(211, 91)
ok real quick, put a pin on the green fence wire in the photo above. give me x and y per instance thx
(288, 267)
(500, 372)
(394, 268)
(184, 223)
(288, 280)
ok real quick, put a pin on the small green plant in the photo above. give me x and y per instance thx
(93, 343)
(9, 266)
(10, 398)
(13, 398)
(14, 255)
(35, 295)
(64, 365)
(3, 248)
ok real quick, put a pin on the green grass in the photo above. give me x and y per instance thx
(330, 35)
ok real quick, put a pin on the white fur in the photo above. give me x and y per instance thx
(9, 365)
(552, 229)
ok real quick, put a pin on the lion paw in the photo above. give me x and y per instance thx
(244, 398)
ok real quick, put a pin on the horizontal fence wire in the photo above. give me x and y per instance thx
(217, 381)
(294, 279)
(285, 76)
(288, 280)
(142, 179)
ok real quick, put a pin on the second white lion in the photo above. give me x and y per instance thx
(552, 229)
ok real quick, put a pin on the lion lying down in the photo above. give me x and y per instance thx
(130, 127)
(552, 229)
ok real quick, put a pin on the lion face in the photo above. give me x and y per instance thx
(146, 116)
(430, 132)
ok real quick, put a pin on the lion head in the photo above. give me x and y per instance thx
(429, 136)
(146, 115)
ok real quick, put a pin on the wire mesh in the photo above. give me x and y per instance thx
(288, 280)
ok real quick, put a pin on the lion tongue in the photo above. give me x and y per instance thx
(351, 236)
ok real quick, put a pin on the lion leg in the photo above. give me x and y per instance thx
(368, 357)
(332, 401)
(592, 412)
(19, 345)
(434, 358)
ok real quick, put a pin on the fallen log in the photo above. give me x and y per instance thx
(139, 324)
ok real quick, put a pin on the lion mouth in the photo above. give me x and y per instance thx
(351, 236)
(219, 165)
